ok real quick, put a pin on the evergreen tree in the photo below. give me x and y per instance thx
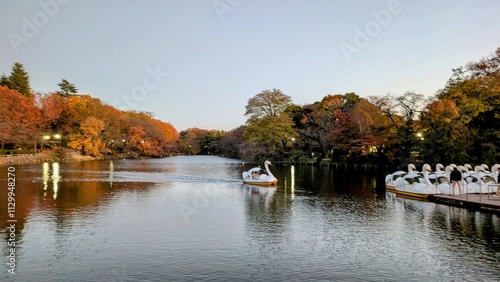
(19, 80)
(67, 88)
(4, 81)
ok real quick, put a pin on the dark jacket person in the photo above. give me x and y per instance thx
(455, 175)
(456, 178)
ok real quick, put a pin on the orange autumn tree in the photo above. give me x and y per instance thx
(372, 126)
(137, 140)
(83, 125)
(168, 136)
(88, 139)
(51, 107)
(446, 135)
(19, 119)
(148, 136)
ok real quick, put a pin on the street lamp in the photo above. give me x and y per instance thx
(47, 138)
(44, 138)
(58, 138)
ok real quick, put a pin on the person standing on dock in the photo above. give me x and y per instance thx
(456, 179)
(497, 194)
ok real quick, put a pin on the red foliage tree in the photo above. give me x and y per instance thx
(19, 118)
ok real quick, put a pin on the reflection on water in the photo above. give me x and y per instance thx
(45, 176)
(257, 193)
(55, 177)
(192, 218)
(111, 173)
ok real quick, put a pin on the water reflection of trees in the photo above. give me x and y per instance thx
(64, 194)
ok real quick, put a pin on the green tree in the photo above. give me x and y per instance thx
(268, 125)
(19, 80)
(66, 88)
(350, 101)
(211, 143)
(4, 81)
(268, 103)
(192, 139)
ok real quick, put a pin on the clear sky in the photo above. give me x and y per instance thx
(195, 63)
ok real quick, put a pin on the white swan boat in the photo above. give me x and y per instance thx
(390, 179)
(256, 176)
(437, 176)
(419, 190)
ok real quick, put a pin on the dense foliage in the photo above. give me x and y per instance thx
(461, 123)
(80, 122)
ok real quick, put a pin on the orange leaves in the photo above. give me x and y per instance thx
(19, 117)
(137, 135)
(441, 111)
(51, 108)
(88, 140)
(167, 131)
(92, 126)
(148, 136)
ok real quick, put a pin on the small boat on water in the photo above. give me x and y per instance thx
(256, 176)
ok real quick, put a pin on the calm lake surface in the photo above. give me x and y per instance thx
(191, 218)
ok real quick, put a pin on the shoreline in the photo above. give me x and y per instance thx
(42, 158)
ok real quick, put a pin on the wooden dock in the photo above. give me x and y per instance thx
(481, 202)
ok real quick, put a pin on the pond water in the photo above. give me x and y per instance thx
(191, 218)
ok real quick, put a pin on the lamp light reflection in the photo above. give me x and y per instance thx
(111, 172)
(45, 176)
(55, 178)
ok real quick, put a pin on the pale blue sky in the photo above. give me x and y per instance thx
(196, 63)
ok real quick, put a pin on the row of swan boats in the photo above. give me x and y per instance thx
(413, 183)
(422, 184)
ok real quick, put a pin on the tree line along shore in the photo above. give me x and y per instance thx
(459, 124)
